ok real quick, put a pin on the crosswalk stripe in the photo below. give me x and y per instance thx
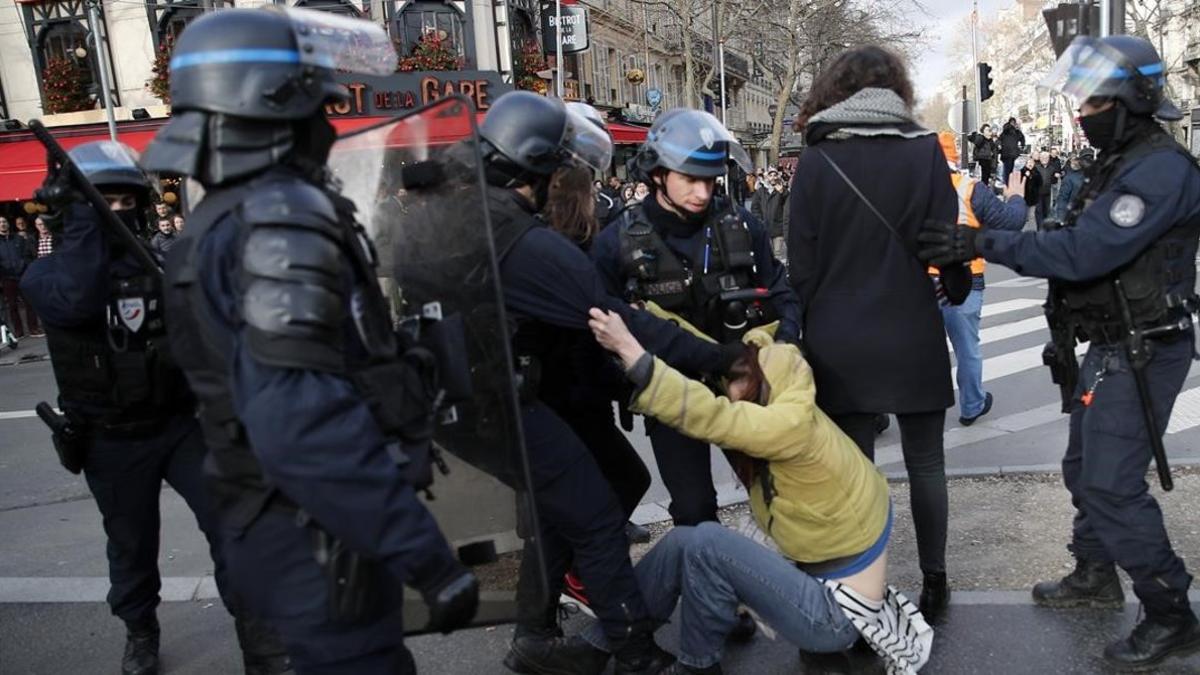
(1019, 282)
(995, 308)
(1013, 363)
(1011, 329)
(17, 414)
(1186, 413)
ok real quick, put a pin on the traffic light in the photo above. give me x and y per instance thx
(985, 82)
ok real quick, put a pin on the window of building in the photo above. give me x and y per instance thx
(57, 32)
(422, 17)
(601, 74)
(167, 20)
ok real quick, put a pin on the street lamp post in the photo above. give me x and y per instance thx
(558, 50)
(93, 7)
(721, 66)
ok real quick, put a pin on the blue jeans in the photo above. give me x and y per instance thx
(708, 570)
(962, 325)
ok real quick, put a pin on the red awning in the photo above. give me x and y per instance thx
(627, 134)
(23, 159)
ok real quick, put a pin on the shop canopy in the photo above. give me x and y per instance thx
(23, 159)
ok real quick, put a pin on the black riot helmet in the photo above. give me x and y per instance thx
(112, 167)
(526, 137)
(1120, 67)
(257, 80)
(691, 142)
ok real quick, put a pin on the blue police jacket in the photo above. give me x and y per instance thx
(687, 242)
(315, 437)
(1149, 196)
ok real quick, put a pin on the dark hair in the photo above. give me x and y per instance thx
(1012, 120)
(852, 71)
(571, 207)
(746, 367)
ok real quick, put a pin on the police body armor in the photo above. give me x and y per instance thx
(397, 385)
(115, 374)
(1158, 284)
(721, 297)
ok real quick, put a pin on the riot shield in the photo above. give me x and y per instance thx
(418, 187)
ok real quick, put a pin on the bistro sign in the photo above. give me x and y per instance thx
(392, 94)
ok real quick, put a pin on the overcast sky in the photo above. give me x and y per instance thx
(944, 17)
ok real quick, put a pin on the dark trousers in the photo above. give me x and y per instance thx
(618, 461)
(15, 302)
(686, 472)
(125, 477)
(581, 523)
(273, 571)
(987, 168)
(925, 462)
(1007, 168)
(1042, 209)
(1108, 452)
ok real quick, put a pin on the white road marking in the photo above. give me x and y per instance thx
(994, 308)
(17, 414)
(1019, 282)
(1011, 329)
(95, 589)
(1013, 363)
(1186, 413)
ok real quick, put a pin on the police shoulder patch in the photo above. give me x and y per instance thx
(1127, 211)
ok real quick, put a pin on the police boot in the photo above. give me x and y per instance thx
(141, 647)
(1092, 584)
(554, 655)
(1167, 629)
(639, 654)
(263, 652)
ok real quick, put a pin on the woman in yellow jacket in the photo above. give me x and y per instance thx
(821, 502)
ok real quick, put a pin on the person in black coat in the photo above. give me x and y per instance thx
(1012, 144)
(986, 152)
(872, 328)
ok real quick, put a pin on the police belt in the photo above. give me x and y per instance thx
(1114, 333)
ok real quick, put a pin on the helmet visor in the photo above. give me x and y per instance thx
(696, 143)
(1090, 69)
(587, 143)
(588, 112)
(341, 43)
(109, 163)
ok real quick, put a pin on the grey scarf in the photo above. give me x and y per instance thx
(870, 112)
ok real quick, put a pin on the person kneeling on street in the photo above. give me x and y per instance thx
(818, 500)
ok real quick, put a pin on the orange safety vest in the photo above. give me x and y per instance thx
(965, 187)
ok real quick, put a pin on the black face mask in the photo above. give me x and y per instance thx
(1101, 128)
(131, 220)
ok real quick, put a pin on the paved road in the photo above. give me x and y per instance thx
(52, 619)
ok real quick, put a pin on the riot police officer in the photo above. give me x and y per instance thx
(1122, 274)
(317, 422)
(698, 256)
(549, 285)
(130, 419)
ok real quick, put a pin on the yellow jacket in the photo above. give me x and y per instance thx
(823, 499)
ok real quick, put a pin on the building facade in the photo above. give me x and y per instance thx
(43, 41)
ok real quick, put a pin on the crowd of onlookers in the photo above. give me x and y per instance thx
(21, 244)
(1052, 176)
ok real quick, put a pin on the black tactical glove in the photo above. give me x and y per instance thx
(942, 243)
(452, 599)
(57, 192)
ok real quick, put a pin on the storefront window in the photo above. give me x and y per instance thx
(423, 17)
